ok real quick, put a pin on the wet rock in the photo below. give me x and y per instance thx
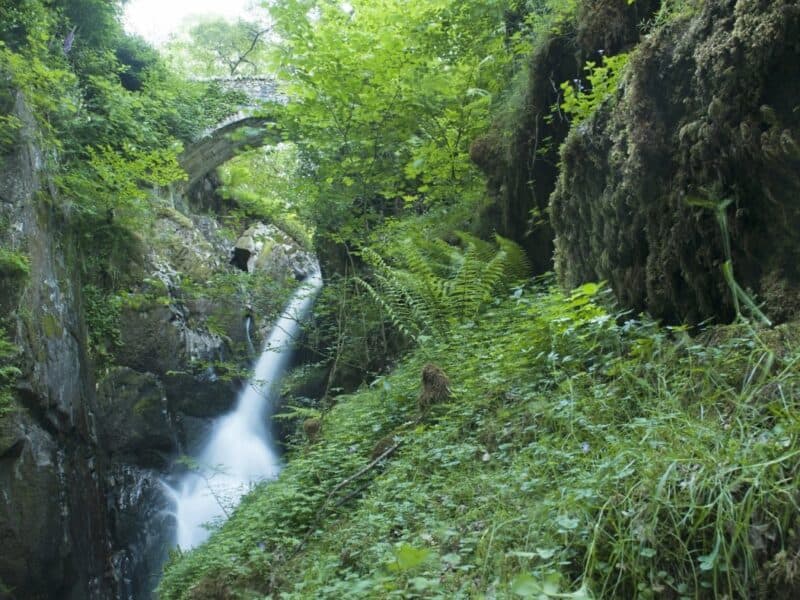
(52, 500)
(266, 249)
(131, 418)
(158, 340)
(32, 530)
(195, 432)
(152, 340)
(141, 518)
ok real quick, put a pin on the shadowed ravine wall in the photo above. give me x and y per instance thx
(707, 111)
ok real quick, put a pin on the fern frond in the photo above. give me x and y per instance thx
(465, 290)
(494, 277)
(440, 284)
(518, 266)
(402, 324)
(484, 249)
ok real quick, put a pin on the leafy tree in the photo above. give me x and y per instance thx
(270, 184)
(386, 98)
(218, 47)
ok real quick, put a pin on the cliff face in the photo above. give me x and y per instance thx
(84, 446)
(708, 112)
(52, 511)
(521, 157)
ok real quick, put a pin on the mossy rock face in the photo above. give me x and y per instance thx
(187, 249)
(520, 153)
(151, 342)
(266, 249)
(707, 111)
(131, 417)
(51, 326)
(158, 340)
(610, 25)
(31, 529)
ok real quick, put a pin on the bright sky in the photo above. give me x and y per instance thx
(155, 20)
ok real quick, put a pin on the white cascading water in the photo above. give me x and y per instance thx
(240, 451)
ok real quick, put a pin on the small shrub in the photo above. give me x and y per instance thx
(580, 102)
(13, 265)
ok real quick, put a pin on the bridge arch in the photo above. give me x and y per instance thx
(241, 131)
(226, 141)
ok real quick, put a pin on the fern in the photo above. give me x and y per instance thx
(431, 285)
(467, 290)
(518, 267)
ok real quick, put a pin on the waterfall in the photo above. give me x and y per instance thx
(248, 323)
(240, 451)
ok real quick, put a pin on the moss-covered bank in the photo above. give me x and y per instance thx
(520, 154)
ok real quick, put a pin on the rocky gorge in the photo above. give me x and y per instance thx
(82, 455)
(468, 211)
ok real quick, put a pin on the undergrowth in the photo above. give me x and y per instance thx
(9, 372)
(584, 454)
(432, 285)
(580, 102)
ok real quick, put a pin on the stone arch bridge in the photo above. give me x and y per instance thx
(249, 128)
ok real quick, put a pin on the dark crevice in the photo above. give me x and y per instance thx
(240, 258)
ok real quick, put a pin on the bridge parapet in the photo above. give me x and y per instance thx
(260, 89)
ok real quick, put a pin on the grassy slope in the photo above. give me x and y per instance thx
(579, 457)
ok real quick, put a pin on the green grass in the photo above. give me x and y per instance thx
(583, 455)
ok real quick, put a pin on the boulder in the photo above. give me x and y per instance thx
(266, 249)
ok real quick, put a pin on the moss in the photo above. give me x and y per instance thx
(175, 216)
(520, 154)
(705, 111)
(264, 256)
(144, 405)
(51, 326)
(13, 265)
(611, 24)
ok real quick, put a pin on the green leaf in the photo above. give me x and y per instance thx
(546, 553)
(407, 557)
(552, 584)
(566, 522)
(708, 561)
(526, 586)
